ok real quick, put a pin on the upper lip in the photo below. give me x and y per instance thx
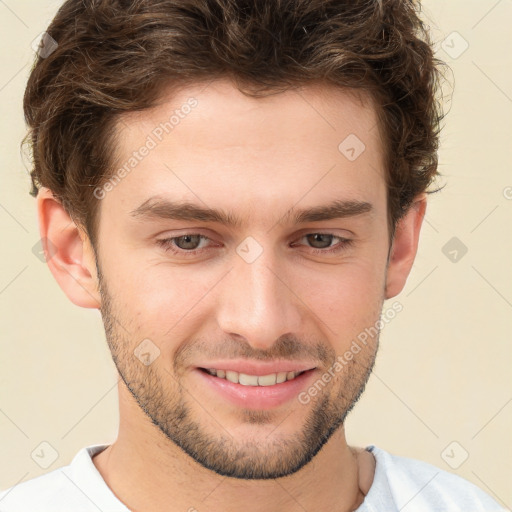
(257, 368)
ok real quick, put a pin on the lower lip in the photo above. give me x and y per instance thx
(257, 397)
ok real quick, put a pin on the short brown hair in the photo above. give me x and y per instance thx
(116, 56)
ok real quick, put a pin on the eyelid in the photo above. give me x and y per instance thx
(343, 243)
(342, 233)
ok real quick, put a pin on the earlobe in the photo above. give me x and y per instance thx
(405, 246)
(68, 252)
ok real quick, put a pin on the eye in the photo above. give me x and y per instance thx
(191, 244)
(321, 242)
(188, 244)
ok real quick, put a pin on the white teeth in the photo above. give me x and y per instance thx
(247, 380)
(232, 376)
(253, 380)
(267, 380)
(281, 377)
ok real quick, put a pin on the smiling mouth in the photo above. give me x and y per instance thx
(253, 380)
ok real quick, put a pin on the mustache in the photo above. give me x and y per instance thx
(286, 347)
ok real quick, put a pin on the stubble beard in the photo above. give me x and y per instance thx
(166, 402)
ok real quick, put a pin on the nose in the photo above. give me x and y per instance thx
(257, 302)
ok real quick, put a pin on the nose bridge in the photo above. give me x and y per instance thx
(256, 301)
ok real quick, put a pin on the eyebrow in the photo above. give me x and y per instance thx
(159, 208)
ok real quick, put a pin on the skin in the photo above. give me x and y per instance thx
(180, 444)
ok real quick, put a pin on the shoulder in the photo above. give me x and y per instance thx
(417, 485)
(71, 487)
(34, 494)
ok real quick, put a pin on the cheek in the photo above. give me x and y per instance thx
(154, 300)
(346, 297)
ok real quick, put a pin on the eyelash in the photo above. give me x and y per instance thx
(168, 246)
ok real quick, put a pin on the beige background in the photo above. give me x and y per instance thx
(443, 374)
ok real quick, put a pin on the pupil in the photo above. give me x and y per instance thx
(191, 241)
(318, 238)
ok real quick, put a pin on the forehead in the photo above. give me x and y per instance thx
(219, 115)
(210, 142)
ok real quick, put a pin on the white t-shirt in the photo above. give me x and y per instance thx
(399, 484)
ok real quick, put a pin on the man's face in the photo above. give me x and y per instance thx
(271, 288)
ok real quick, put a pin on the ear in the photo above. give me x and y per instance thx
(68, 252)
(404, 246)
